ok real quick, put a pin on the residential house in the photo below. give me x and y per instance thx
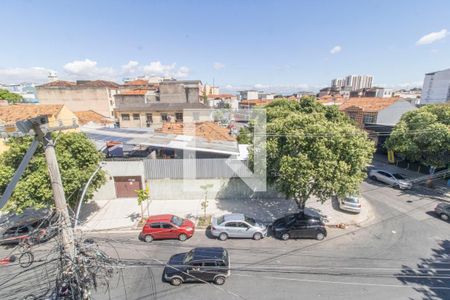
(381, 111)
(223, 100)
(248, 95)
(171, 101)
(57, 114)
(82, 95)
(91, 118)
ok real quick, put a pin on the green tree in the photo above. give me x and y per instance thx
(423, 135)
(143, 195)
(77, 160)
(313, 150)
(10, 97)
(245, 136)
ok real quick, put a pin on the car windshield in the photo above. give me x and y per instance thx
(398, 176)
(220, 220)
(176, 220)
(250, 221)
(188, 257)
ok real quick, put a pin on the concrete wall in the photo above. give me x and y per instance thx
(392, 114)
(178, 93)
(118, 168)
(79, 99)
(436, 88)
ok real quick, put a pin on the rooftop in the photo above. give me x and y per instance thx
(80, 83)
(136, 92)
(85, 117)
(163, 107)
(10, 114)
(369, 104)
(137, 82)
(208, 130)
(256, 102)
(147, 137)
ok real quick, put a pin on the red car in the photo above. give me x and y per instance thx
(162, 227)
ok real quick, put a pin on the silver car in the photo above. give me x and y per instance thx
(237, 226)
(393, 179)
(350, 203)
(443, 211)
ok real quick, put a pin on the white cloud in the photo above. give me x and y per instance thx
(432, 37)
(156, 68)
(336, 49)
(272, 88)
(131, 67)
(16, 75)
(88, 69)
(182, 72)
(218, 65)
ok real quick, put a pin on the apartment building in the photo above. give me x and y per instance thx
(353, 82)
(171, 101)
(82, 95)
(436, 87)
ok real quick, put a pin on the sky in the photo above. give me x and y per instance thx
(268, 45)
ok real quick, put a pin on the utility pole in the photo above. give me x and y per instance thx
(44, 135)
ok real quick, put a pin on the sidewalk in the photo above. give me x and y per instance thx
(124, 213)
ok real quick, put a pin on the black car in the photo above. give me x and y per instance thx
(206, 264)
(306, 224)
(35, 230)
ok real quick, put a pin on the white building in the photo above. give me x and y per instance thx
(357, 82)
(436, 87)
(248, 95)
(339, 83)
(384, 93)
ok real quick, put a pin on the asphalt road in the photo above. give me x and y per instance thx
(402, 253)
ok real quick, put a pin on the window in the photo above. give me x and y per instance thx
(220, 220)
(136, 117)
(179, 117)
(177, 220)
(164, 117)
(230, 224)
(242, 225)
(210, 263)
(370, 119)
(166, 226)
(155, 225)
(125, 117)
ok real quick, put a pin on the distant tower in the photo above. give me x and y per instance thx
(52, 76)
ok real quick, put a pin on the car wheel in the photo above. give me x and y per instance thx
(219, 280)
(285, 236)
(182, 237)
(176, 281)
(148, 238)
(223, 236)
(257, 236)
(444, 217)
(320, 236)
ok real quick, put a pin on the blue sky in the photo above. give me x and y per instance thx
(271, 44)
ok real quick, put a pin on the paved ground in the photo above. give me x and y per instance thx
(403, 253)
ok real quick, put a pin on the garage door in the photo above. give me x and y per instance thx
(126, 186)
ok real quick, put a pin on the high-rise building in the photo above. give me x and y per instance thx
(339, 83)
(357, 82)
(436, 87)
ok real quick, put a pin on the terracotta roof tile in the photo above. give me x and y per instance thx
(85, 117)
(58, 83)
(256, 102)
(137, 82)
(209, 130)
(368, 104)
(81, 83)
(10, 114)
(134, 92)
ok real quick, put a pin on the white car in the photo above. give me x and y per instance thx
(350, 203)
(393, 179)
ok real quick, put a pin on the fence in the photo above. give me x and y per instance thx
(195, 168)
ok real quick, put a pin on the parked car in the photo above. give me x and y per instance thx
(393, 179)
(206, 264)
(237, 226)
(31, 229)
(443, 211)
(350, 203)
(168, 226)
(306, 224)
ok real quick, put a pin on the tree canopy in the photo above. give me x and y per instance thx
(10, 97)
(314, 150)
(423, 135)
(77, 160)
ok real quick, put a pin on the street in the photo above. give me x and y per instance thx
(403, 253)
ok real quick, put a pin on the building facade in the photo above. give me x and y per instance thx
(82, 95)
(436, 87)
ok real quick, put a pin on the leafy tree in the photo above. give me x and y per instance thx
(10, 97)
(77, 160)
(244, 136)
(423, 135)
(143, 195)
(314, 150)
